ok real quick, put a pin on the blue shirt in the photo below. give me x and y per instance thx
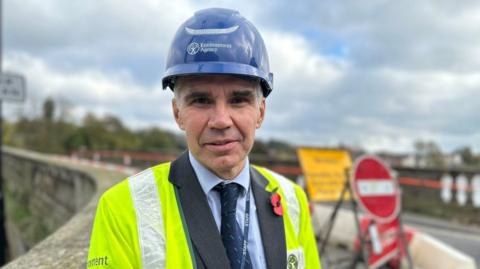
(208, 181)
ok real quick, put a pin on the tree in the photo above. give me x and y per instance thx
(155, 139)
(428, 154)
(467, 155)
(259, 148)
(48, 109)
(281, 150)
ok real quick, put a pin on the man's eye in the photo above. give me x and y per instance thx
(239, 100)
(201, 100)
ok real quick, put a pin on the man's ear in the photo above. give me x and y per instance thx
(176, 114)
(261, 115)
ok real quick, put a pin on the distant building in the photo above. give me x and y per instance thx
(393, 159)
(415, 160)
(453, 160)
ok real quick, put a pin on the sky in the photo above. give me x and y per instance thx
(378, 75)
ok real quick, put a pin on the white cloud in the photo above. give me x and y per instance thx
(300, 74)
(378, 74)
(106, 34)
(90, 90)
(293, 57)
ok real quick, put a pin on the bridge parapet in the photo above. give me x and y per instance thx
(50, 205)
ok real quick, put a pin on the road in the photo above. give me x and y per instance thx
(463, 238)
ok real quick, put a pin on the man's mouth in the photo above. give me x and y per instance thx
(221, 145)
(220, 142)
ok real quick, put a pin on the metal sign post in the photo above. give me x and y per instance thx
(361, 256)
(3, 239)
(12, 88)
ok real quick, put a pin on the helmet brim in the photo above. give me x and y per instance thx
(217, 68)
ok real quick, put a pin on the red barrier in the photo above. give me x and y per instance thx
(383, 242)
(281, 169)
(427, 183)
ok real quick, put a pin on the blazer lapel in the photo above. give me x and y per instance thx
(198, 216)
(271, 225)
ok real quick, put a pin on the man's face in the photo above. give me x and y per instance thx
(219, 115)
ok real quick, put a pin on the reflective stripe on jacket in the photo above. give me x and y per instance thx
(139, 224)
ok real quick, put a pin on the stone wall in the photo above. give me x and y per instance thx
(50, 205)
(40, 197)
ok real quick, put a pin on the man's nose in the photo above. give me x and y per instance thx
(220, 117)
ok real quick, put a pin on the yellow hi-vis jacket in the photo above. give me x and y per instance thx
(140, 223)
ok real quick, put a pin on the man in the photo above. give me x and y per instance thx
(209, 208)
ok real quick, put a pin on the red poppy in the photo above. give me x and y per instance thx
(275, 200)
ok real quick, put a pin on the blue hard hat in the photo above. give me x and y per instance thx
(218, 41)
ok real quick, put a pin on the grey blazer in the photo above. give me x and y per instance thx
(206, 241)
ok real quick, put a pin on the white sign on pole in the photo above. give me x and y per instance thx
(12, 87)
(461, 183)
(376, 244)
(476, 190)
(446, 193)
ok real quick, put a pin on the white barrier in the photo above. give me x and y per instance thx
(462, 183)
(476, 190)
(344, 230)
(426, 251)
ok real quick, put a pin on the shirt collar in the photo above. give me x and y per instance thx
(208, 180)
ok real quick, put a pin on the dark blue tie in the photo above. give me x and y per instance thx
(232, 235)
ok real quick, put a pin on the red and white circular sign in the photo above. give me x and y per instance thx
(376, 190)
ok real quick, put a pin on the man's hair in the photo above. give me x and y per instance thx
(258, 88)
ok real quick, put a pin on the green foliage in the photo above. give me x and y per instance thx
(468, 158)
(259, 148)
(50, 135)
(155, 139)
(107, 133)
(282, 150)
(273, 150)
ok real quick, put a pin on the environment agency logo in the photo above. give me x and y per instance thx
(208, 47)
(193, 48)
(292, 261)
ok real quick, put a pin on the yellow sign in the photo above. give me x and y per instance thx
(324, 171)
